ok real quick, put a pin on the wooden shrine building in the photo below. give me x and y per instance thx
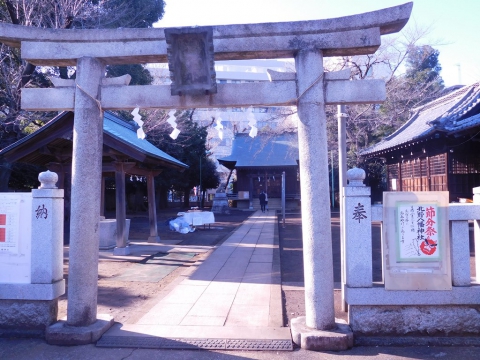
(438, 148)
(259, 163)
(123, 153)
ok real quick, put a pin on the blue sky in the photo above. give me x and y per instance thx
(454, 25)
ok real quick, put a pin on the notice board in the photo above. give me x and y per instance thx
(15, 237)
(416, 241)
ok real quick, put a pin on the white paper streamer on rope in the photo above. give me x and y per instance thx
(171, 120)
(219, 126)
(138, 119)
(252, 122)
(174, 134)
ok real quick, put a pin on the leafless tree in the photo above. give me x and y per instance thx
(368, 124)
(61, 14)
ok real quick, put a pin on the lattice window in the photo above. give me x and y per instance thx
(459, 166)
(465, 163)
(424, 164)
(417, 169)
(437, 165)
(407, 169)
(392, 171)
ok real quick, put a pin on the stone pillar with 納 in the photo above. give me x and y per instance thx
(47, 230)
(358, 231)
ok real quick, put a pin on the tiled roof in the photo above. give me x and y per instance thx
(450, 113)
(263, 150)
(114, 127)
(127, 133)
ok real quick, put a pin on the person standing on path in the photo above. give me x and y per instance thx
(266, 201)
(262, 198)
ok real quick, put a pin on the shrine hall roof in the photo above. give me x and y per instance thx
(53, 141)
(127, 133)
(453, 113)
(267, 150)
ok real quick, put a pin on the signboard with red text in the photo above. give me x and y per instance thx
(416, 241)
(15, 237)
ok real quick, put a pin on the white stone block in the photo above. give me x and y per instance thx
(108, 233)
(32, 291)
(463, 211)
(460, 253)
(379, 296)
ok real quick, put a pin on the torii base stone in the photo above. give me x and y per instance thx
(338, 339)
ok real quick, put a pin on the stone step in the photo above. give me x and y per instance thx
(273, 204)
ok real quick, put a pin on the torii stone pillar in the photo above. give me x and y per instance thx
(84, 223)
(312, 142)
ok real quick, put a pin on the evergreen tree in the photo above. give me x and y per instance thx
(61, 14)
(189, 147)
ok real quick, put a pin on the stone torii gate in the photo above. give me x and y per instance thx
(189, 51)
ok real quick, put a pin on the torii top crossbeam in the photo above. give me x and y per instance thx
(349, 35)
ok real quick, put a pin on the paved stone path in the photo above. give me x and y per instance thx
(232, 300)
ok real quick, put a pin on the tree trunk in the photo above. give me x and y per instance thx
(202, 204)
(186, 197)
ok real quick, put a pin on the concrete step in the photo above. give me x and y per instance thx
(273, 204)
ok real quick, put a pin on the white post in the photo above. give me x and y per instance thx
(283, 198)
(342, 180)
(85, 199)
(476, 229)
(316, 228)
(358, 234)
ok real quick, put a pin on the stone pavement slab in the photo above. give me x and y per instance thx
(230, 300)
(163, 264)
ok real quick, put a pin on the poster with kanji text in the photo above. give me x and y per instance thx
(418, 238)
(9, 223)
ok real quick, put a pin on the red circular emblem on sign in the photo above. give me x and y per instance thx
(428, 247)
